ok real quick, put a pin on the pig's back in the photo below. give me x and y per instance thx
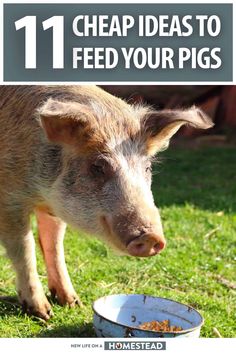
(21, 137)
(18, 104)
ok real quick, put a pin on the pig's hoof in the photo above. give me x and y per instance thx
(63, 298)
(39, 309)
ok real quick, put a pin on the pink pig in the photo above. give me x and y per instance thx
(78, 155)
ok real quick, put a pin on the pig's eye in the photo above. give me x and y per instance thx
(101, 169)
(148, 169)
(97, 170)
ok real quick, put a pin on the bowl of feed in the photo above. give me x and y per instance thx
(143, 316)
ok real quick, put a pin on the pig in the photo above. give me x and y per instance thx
(78, 155)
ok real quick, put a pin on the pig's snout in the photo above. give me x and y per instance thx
(146, 245)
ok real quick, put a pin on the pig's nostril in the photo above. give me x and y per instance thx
(161, 245)
(139, 245)
(158, 246)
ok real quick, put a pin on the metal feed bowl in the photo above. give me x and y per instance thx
(118, 316)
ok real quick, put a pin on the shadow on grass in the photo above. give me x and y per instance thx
(204, 177)
(10, 306)
(79, 331)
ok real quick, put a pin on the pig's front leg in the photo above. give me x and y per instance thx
(16, 236)
(51, 235)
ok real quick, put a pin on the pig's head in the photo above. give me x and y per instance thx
(104, 186)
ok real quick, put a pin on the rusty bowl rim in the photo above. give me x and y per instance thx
(149, 330)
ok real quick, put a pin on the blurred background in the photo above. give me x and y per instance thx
(219, 102)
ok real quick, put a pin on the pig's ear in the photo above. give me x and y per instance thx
(160, 126)
(64, 122)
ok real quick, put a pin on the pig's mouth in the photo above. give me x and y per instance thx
(146, 245)
(110, 237)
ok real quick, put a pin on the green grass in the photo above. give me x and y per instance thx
(196, 192)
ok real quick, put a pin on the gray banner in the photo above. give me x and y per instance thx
(14, 44)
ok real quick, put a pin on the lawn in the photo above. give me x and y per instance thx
(196, 193)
